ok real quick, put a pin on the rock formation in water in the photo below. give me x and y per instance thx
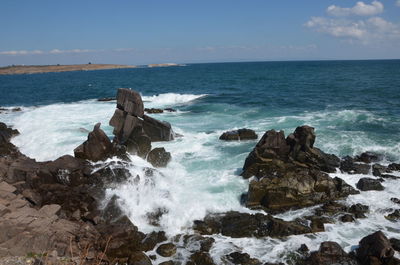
(241, 134)
(291, 173)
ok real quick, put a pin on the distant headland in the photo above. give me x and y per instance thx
(34, 69)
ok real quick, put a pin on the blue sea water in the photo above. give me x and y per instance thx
(353, 105)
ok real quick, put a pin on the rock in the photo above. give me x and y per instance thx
(200, 258)
(158, 157)
(166, 250)
(139, 145)
(152, 239)
(197, 242)
(130, 101)
(330, 253)
(375, 248)
(138, 258)
(394, 216)
(366, 184)
(237, 225)
(388, 176)
(153, 111)
(106, 99)
(395, 243)
(242, 259)
(117, 121)
(378, 170)
(347, 218)
(359, 210)
(289, 172)
(97, 147)
(169, 262)
(395, 200)
(157, 130)
(170, 110)
(369, 157)
(394, 167)
(303, 248)
(349, 165)
(241, 134)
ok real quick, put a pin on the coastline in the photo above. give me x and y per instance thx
(36, 69)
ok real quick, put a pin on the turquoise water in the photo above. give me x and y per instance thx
(354, 106)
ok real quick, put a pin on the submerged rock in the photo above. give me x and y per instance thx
(166, 250)
(153, 110)
(242, 259)
(369, 157)
(366, 184)
(394, 216)
(241, 134)
(330, 253)
(349, 165)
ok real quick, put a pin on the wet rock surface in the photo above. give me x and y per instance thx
(290, 172)
(158, 157)
(241, 134)
(366, 184)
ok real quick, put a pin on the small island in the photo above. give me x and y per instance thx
(34, 69)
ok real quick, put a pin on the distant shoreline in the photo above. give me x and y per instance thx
(35, 69)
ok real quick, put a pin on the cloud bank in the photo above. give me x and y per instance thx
(360, 9)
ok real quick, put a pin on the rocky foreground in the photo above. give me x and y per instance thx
(55, 212)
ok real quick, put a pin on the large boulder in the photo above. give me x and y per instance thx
(365, 184)
(330, 253)
(130, 102)
(157, 130)
(241, 134)
(237, 225)
(375, 249)
(158, 157)
(97, 147)
(290, 172)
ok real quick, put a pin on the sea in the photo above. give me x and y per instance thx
(354, 106)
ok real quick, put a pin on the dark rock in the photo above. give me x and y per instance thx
(375, 248)
(166, 250)
(106, 99)
(169, 262)
(369, 157)
(235, 224)
(388, 176)
(153, 111)
(155, 216)
(138, 258)
(330, 253)
(366, 184)
(97, 147)
(347, 218)
(170, 110)
(303, 248)
(241, 134)
(289, 172)
(139, 145)
(394, 216)
(152, 239)
(157, 130)
(158, 157)
(16, 109)
(349, 165)
(117, 121)
(130, 101)
(242, 259)
(378, 170)
(359, 210)
(395, 200)
(195, 242)
(200, 258)
(395, 243)
(112, 211)
(394, 167)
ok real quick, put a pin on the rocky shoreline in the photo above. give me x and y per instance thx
(56, 211)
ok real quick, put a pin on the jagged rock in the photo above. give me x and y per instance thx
(157, 130)
(166, 250)
(152, 239)
(158, 157)
(6, 133)
(153, 111)
(359, 210)
(369, 157)
(130, 101)
(375, 248)
(235, 224)
(330, 253)
(394, 216)
(290, 173)
(242, 259)
(106, 99)
(170, 110)
(395, 243)
(395, 200)
(366, 184)
(196, 242)
(349, 165)
(97, 147)
(200, 258)
(347, 218)
(139, 145)
(241, 134)
(388, 176)
(394, 167)
(378, 170)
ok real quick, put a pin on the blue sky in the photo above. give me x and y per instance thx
(149, 31)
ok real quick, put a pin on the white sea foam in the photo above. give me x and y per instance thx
(169, 99)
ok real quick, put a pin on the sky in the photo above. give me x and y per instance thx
(140, 32)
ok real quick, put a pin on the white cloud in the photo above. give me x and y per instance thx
(57, 51)
(398, 3)
(367, 31)
(21, 52)
(360, 9)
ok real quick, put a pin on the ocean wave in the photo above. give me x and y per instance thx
(170, 99)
